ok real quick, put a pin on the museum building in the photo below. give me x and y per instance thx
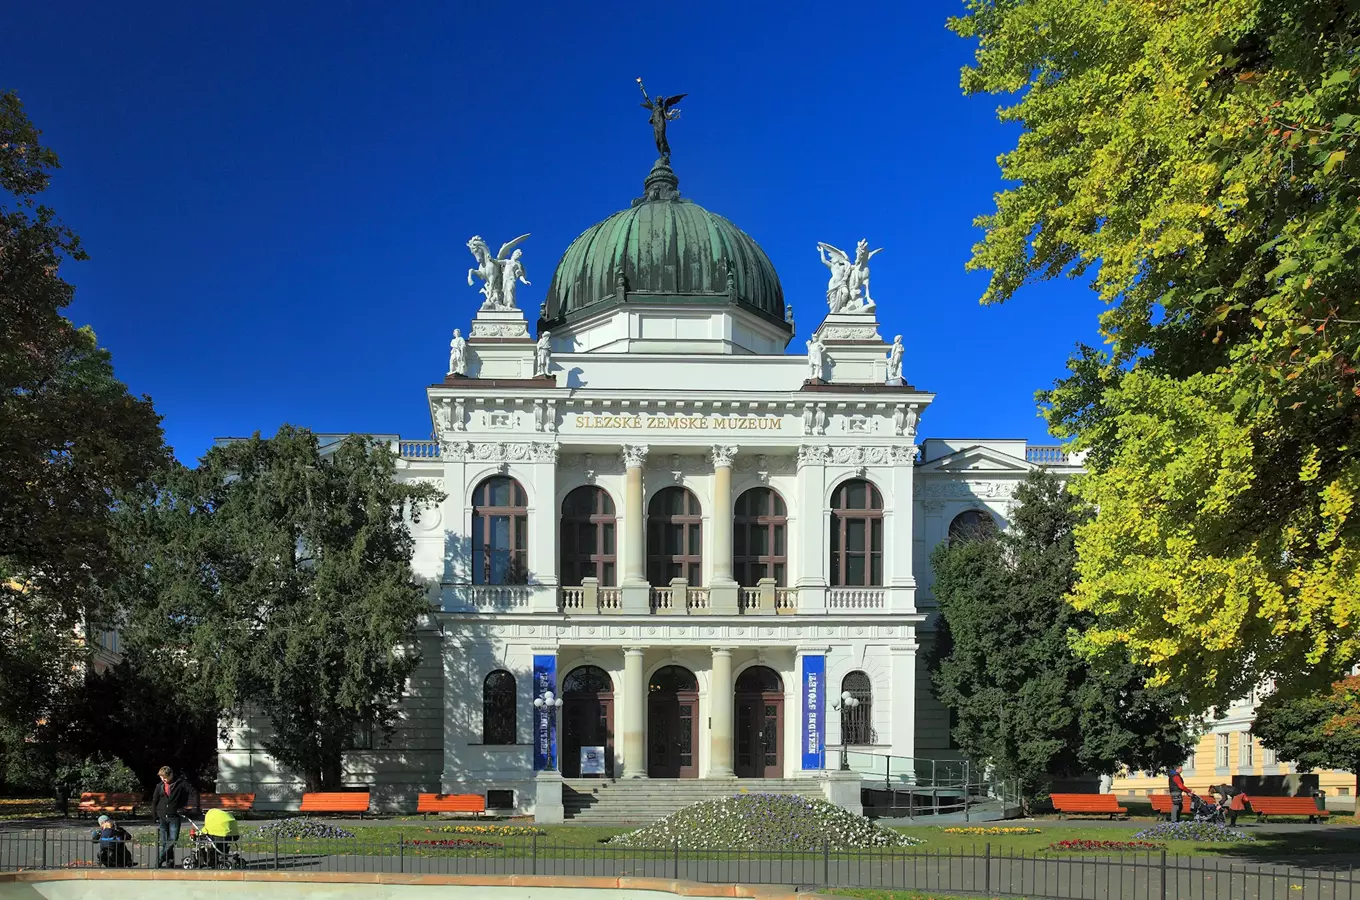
(670, 549)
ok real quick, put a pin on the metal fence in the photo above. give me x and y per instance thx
(979, 870)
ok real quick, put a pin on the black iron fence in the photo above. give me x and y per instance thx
(979, 870)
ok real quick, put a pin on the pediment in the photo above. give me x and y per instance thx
(977, 459)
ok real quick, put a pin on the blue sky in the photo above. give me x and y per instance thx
(276, 197)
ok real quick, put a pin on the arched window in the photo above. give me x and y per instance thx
(500, 532)
(856, 535)
(587, 680)
(672, 680)
(857, 710)
(498, 708)
(674, 537)
(760, 538)
(588, 537)
(970, 525)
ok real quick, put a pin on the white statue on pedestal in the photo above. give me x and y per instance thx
(848, 289)
(490, 270)
(543, 354)
(895, 361)
(816, 358)
(457, 354)
(512, 271)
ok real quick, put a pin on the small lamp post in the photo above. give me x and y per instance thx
(550, 703)
(848, 701)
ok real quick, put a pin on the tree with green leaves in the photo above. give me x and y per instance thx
(1316, 731)
(280, 578)
(72, 442)
(1197, 162)
(1027, 705)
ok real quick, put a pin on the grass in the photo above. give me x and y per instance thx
(902, 895)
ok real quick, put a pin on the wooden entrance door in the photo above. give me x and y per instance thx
(673, 723)
(587, 719)
(759, 728)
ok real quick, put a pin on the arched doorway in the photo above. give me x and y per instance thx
(587, 718)
(760, 724)
(672, 723)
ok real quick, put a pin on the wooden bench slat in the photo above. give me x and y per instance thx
(346, 802)
(1101, 804)
(99, 802)
(236, 802)
(1161, 803)
(1287, 806)
(438, 803)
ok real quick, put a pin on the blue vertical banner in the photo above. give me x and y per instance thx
(814, 712)
(545, 737)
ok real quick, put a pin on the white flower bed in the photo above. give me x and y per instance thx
(764, 822)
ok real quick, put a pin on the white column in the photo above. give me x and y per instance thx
(634, 714)
(636, 594)
(543, 521)
(811, 538)
(722, 513)
(902, 703)
(898, 532)
(720, 714)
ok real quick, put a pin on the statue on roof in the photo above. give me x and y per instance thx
(848, 289)
(663, 111)
(490, 268)
(512, 272)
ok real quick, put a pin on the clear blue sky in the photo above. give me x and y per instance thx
(276, 196)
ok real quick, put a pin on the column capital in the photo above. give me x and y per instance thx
(634, 455)
(634, 651)
(810, 651)
(722, 455)
(725, 651)
(904, 648)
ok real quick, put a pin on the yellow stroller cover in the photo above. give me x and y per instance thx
(220, 823)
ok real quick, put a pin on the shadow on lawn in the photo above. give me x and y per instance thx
(1334, 847)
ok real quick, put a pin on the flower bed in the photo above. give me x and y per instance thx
(456, 844)
(495, 830)
(1203, 832)
(763, 822)
(991, 832)
(1082, 845)
(300, 828)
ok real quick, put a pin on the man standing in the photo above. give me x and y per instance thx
(1178, 791)
(170, 796)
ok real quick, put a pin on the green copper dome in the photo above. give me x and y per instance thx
(664, 249)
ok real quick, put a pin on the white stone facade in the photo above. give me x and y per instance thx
(717, 421)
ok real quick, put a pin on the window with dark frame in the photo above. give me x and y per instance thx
(856, 535)
(856, 720)
(588, 537)
(674, 537)
(970, 525)
(760, 538)
(498, 708)
(500, 532)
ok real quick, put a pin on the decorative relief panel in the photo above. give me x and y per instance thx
(763, 463)
(503, 451)
(964, 490)
(896, 455)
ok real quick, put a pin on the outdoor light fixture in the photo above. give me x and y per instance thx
(848, 701)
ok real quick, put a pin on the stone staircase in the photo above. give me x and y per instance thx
(643, 800)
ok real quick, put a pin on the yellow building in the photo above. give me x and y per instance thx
(1228, 748)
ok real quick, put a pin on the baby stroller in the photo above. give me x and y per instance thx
(1202, 810)
(214, 845)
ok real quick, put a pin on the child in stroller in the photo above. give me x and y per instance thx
(1202, 810)
(214, 845)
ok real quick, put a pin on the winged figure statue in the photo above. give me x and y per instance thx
(490, 269)
(663, 111)
(848, 289)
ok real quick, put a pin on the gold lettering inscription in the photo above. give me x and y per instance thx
(682, 422)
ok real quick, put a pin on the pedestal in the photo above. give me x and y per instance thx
(856, 352)
(843, 789)
(548, 808)
(500, 323)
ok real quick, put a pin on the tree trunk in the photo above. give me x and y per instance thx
(311, 779)
(331, 770)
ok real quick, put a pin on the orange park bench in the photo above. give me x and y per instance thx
(1087, 804)
(450, 803)
(93, 804)
(352, 802)
(1264, 807)
(1161, 805)
(231, 802)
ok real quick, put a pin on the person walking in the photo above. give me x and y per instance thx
(169, 798)
(1178, 791)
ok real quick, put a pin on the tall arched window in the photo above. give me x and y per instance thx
(856, 535)
(498, 708)
(588, 537)
(857, 710)
(760, 538)
(500, 532)
(970, 525)
(674, 537)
